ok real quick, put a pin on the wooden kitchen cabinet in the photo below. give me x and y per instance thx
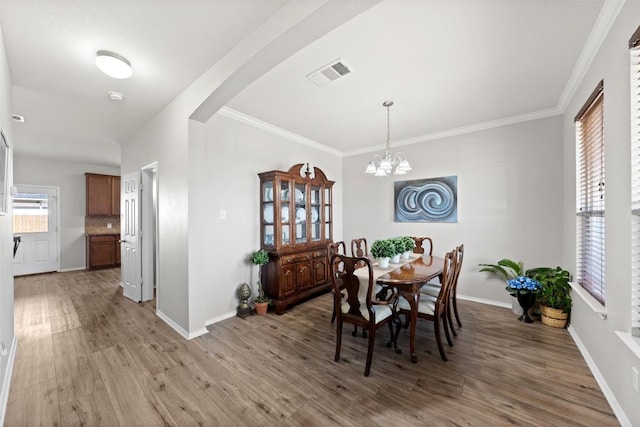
(103, 195)
(296, 225)
(103, 250)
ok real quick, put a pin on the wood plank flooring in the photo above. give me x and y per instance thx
(87, 356)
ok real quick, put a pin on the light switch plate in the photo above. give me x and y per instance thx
(634, 378)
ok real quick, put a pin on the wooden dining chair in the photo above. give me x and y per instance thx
(435, 309)
(359, 248)
(434, 288)
(420, 245)
(332, 249)
(360, 307)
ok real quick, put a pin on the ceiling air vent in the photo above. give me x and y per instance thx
(329, 72)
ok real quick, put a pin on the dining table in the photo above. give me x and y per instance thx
(408, 277)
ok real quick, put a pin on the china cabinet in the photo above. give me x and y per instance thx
(296, 225)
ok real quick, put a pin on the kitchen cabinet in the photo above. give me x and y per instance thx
(103, 250)
(103, 195)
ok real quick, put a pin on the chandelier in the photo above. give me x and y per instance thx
(387, 164)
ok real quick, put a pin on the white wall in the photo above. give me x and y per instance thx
(610, 356)
(166, 138)
(509, 200)
(69, 176)
(6, 242)
(229, 157)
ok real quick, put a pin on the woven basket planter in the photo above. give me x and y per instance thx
(553, 317)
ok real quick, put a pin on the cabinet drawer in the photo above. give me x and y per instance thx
(320, 254)
(289, 259)
(95, 239)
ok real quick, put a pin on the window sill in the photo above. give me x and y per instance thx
(632, 342)
(595, 305)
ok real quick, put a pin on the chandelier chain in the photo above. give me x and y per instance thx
(388, 128)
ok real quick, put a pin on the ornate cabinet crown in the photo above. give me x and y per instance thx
(296, 224)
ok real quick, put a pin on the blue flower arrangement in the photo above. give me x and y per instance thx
(522, 285)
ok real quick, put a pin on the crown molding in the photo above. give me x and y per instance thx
(550, 112)
(252, 121)
(605, 20)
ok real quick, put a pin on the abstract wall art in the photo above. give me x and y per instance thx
(426, 200)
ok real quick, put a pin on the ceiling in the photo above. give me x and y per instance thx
(446, 64)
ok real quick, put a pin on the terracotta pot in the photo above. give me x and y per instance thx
(261, 308)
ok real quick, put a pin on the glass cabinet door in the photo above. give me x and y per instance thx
(285, 214)
(267, 214)
(301, 213)
(326, 218)
(314, 214)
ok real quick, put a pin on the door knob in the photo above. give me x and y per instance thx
(122, 241)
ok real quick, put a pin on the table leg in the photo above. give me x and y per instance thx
(413, 298)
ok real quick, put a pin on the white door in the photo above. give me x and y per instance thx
(35, 220)
(131, 261)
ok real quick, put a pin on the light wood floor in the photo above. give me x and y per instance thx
(86, 356)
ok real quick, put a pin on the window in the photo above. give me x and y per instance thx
(634, 50)
(30, 213)
(590, 194)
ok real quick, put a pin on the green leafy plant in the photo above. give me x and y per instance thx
(383, 249)
(556, 290)
(398, 245)
(505, 269)
(260, 258)
(409, 243)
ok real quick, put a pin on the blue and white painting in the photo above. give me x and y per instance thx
(426, 200)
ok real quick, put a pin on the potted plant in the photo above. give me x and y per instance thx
(525, 289)
(555, 295)
(383, 250)
(408, 245)
(506, 269)
(398, 248)
(260, 258)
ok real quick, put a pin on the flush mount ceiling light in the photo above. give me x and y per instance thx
(113, 64)
(396, 164)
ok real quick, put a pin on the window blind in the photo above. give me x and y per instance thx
(634, 50)
(590, 195)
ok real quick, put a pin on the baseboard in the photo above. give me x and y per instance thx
(183, 333)
(72, 269)
(6, 384)
(484, 301)
(220, 318)
(608, 394)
